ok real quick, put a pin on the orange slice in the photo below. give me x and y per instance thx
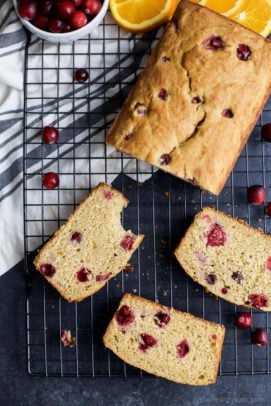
(256, 15)
(225, 7)
(142, 15)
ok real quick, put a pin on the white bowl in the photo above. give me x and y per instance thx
(66, 36)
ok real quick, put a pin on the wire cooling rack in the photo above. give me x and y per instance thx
(161, 206)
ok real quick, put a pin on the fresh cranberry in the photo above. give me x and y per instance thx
(124, 316)
(227, 113)
(127, 242)
(128, 136)
(67, 28)
(216, 236)
(76, 237)
(165, 58)
(78, 19)
(50, 135)
(28, 9)
(55, 25)
(243, 52)
(183, 348)
(165, 159)
(266, 132)
(67, 339)
(224, 290)
(40, 21)
(237, 277)
(258, 301)
(50, 180)
(196, 100)
(148, 342)
(162, 319)
(47, 270)
(102, 278)
(84, 275)
(81, 75)
(256, 194)
(211, 278)
(45, 7)
(107, 194)
(92, 7)
(163, 94)
(268, 209)
(65, 8)
(243, 320)
(213, 43)
(77, 3)
(260, 337)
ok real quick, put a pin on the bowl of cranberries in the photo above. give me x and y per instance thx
(61, 20)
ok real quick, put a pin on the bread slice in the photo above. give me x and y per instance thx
(165, 342)
(207, 76)
(90, 248)
(229, 258)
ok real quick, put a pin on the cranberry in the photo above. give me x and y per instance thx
(47, 270)
(243, 52)
(84, 275)
(162, 319)
(163, 94)
(55, 25)
(196, 100)
(124, 316)
(257, 300)
(67, 28)
(213, 43)
(107, 194)
(256, 194)
(148, 342)
(227, 113)
(165, 58)
(127, 242)
(76, 237)
(92, 7)
(50, 180)
(216, 237)
(65, 8)
(102, 278)
(237, 277)
(140, 109)
(67, 339)
(268, 209)
(224, 290)
(81, 75)
(183, 348)
(214, 337)
(268, 264)
(211, 278)
(40, 21)
(243, 320)
(260, 337)
(77, 3)
(127, 137)
(165, 159)
(78, 19)
(266, 132)
(28, 9)
(45, 7)
(50, 135)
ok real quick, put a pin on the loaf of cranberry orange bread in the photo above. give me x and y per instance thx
(165, 342)
(90, 248)
(229, 258)
(198, 99)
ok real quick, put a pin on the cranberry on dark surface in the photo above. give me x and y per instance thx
(243, 320)
(227, 113)
(266, 132)
(183, 348)
(81, 75)
(28, 9)
(40, 21)
(162, 319)
(268, 264)
(47, 270)
(237, 277)
(211, 278)
(124, 316)
(216, 236)
(65, 8)
(67, 339)
(127, 242)
(55, 25)
(243, 52)
(213, 43)
(91, 7)
(268, 209)
(50, 180)
(104, 277)
(256, 194)
(163, 94)
(148, 341)
(128, 136)
(260, 337)
(165, 58)
(107, 194)
(78, 19)
(84, 275)
(257, 300)
(165, 159)
(50, 135)
(76, 237)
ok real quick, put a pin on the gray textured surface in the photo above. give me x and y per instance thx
(17, 388)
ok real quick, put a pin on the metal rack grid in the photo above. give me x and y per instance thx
(161, 206)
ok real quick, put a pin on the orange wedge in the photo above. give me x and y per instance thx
(225, 7)
(256, 15)
(142, 15)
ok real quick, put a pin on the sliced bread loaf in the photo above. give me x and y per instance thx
(90, 248)
(165, 342)
(229, 258)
